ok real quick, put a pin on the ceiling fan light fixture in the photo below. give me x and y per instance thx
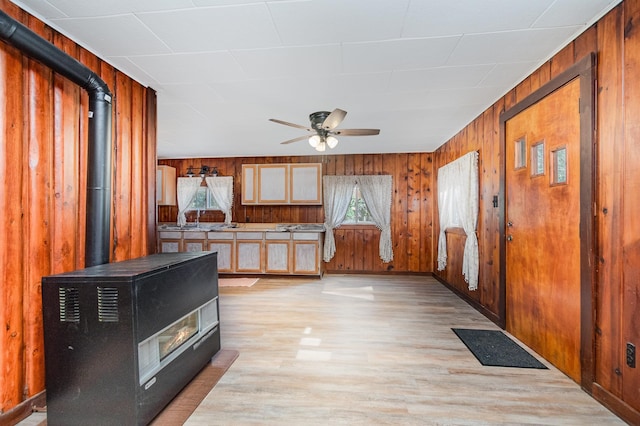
(314, 141)
(332, 141)
(321, 147)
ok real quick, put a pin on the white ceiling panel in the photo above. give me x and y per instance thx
(572, 12)
(418, 70)
(439, 78)
(504, 48)
(427, 18)
(190, 67)
(338, 21)
(400, 54)
(112, 35)
(214, 28)
(290, 61)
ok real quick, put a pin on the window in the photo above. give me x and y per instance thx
(537, 159)
(520, 154)
(203, 200)
(559, 166)
(357, 212)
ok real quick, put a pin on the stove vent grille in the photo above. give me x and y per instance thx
(108, 304)
(69, 304)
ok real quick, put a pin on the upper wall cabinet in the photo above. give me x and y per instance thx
(298, 183)
(165, 185)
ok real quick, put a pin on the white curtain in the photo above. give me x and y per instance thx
(458, 207)
(338, 191)
(377, 191)
(186, 191)
(221, 188)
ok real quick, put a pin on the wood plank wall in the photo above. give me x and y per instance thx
(43, 164)
(616, 40)
(356, 246)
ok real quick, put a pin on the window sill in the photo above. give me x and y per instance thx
(365, 226)
(455, 231)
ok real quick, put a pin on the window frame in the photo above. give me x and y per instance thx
(358, 200)
(209, 201)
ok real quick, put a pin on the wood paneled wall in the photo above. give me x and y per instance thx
(616, 40)
(356, 246)
(43, 164)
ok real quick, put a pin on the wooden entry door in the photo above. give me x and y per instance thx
(542, 212)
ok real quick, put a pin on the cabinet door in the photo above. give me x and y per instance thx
(272, 183)
(306, 258)
(165, 185)
(277, 257)
(168, 245)
(248, 256)
(249, 177)
(306, 183)
(169, 241)
(225, 254)
(194, 245)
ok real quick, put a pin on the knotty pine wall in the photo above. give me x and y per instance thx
(356, 246)
(43, 151)
(616, 40)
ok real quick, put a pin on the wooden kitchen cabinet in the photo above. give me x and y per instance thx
(249, 253)
(306, 253)
(278, 256)
(165, 185)
(298, 183)
(249, 183)
(272, 184)
(305, 183)
(170, 242)
(194, 241)
(223, 243)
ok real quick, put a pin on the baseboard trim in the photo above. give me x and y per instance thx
(492, 316)
(37, 402)
(615, 404)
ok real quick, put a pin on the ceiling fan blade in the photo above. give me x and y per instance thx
(356, 132)
(334, 119)
(299, 138)
(286, 123)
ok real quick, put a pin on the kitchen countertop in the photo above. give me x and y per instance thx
(244, 227)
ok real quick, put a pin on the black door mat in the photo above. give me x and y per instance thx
(494, 348)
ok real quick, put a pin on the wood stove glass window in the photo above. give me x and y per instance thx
(179, 332)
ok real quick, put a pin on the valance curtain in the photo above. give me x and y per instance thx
(458, 207)
(338, 191)
(186, 192)
(221, 188)
(377, 191)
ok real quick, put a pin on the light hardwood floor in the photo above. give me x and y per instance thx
(371, 350)
(361, 350)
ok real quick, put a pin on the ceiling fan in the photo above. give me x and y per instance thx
(323, 129)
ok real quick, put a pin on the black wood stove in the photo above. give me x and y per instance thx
(122, 339)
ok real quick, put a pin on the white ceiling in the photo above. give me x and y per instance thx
(419, 70)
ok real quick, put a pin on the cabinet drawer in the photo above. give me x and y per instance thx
(195, 235)
(306, 236)
(277, 235)
(249, 236)
(170, 234)
(221, 235)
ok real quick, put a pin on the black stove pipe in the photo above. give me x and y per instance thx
(99, 151)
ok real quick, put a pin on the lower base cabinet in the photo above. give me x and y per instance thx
(306, 255)
(242, 252)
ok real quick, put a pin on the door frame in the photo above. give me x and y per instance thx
(585, 70)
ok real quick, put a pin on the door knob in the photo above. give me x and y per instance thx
(509, 237)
